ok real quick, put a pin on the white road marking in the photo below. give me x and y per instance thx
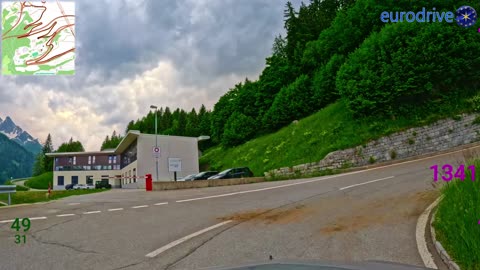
(162, 203)
(368, 182)
(139, 206)
(37, 218)
(183, 239)
(420, 235)
(91, 212)
(7, 221)
(115, 209)
(65, 215)
(75, 203)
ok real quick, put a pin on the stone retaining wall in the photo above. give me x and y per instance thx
(442, 135)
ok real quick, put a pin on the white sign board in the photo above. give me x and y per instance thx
(174, 164)
(156, 152)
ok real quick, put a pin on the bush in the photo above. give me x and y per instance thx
(402, 70)
(238, 129)
(292, 102)
(41, 181)
(323, 87)
(372, 160)
(393, 154)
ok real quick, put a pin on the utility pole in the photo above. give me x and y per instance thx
(156, 142)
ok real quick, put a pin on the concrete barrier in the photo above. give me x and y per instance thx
(169, 185)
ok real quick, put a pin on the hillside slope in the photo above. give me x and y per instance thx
(311, 139)
(15, 161)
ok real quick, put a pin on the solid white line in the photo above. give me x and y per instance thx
(91, 212)
(139, 206)
(73, 203)
(420, 235)
(37, 218)
(7, 221)
(368, 182)
(162, 203)
(183, 239)
(66, 215)
(115, 209)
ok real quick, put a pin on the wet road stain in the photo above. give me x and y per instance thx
(272, 216)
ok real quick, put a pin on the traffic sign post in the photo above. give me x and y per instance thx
(174, 165)
(156, 152)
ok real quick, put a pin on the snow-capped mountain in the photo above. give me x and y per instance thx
(18, 135)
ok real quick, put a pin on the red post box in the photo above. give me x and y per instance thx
(148, 182)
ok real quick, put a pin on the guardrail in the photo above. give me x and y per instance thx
(8, 189)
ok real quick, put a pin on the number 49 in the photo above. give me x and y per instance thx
(25, 223)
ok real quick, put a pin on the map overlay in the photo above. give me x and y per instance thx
(38, 38)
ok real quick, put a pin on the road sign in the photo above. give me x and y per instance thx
(174, 164)
(156, 152)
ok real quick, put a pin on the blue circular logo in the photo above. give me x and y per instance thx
(466, 16)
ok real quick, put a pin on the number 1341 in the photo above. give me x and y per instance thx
(449, 173)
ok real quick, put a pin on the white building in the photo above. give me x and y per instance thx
(127, 165)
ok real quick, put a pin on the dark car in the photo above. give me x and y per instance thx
(69, 186)
(233, 173)
(204, 175)
(102, 184)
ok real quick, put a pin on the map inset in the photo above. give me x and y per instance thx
(38, 38)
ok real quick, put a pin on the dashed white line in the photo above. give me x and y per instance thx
(91, 212)
(7, 221)
(73, 203)
(115, 209)
(162, 203)
(65, 215)
(139, 206)
(37, 218)
(183, 239)
(368, 182)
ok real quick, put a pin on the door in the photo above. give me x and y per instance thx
(90, 180)
(74, 180)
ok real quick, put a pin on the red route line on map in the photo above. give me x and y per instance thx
(34, 26)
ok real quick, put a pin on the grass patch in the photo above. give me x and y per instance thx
(40, 181)
(456, 221)
(312, 138)
(39, 196)
(476, 121)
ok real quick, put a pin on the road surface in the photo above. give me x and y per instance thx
(366, 215)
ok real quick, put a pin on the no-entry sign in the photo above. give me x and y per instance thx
(156, 152)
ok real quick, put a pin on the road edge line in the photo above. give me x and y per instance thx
(185, 238)
(420, 235)
(439, 248)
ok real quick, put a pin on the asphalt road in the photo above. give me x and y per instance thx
(366, 215)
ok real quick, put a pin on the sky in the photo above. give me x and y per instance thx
(131, 54)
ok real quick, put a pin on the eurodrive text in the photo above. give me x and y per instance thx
(421, 16)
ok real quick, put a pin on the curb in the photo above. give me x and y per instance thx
(439, 248)
(24, 204)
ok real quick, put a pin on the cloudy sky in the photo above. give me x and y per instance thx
(134, 53)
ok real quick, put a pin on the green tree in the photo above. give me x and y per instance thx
(71, 146)
(38, 166)
(238, 129)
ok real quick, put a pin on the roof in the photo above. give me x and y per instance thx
(131, 136)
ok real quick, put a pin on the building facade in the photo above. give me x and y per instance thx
(126, 166)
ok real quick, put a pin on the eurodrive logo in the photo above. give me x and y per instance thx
(465, 16)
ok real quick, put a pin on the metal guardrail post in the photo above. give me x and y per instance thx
(9, 189)
(9, 199)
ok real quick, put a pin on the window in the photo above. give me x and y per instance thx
(56, 160)
(105, 179)
(134, 175)
(70, 160)
(74, 160)
(74, 180)
(116, 167)
(110, 159)
(60, 180)
(89, 160)
(89, 180)
(93, 160)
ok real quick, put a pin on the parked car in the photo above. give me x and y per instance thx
(69, 186)
(187, 178)
(80, 186)
(233, 173)
(102, 184)
(204, 175)
(90, 186)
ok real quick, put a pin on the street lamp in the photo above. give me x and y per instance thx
(156, 140)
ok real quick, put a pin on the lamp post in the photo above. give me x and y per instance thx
(156, 141)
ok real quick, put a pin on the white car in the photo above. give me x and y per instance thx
(80, 186)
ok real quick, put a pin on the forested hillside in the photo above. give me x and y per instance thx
(340, 51)
(15, 161)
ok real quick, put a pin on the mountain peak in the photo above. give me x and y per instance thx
(17, 134)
